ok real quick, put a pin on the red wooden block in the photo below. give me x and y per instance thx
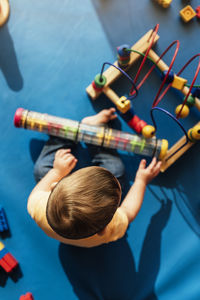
(198, 12)
(8, 262)
(27, 296)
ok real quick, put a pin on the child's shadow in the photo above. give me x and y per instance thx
(109, 271)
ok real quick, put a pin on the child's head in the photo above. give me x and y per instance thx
(83, 203)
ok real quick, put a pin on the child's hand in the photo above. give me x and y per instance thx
(64, 162)
(146, 174)
(102, 117)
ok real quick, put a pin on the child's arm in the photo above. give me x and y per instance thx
(63, 164)
(133, 200)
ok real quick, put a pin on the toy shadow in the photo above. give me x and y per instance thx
(15, 275)
(109, 271)
(8, 61)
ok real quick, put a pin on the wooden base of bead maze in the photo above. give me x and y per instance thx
(112, 73)
(168, 162)
(4, 11)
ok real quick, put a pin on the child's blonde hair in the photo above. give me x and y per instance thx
(83, 203)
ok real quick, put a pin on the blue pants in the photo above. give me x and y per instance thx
(103, 157)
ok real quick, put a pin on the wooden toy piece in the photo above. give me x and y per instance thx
(3, 221)
(27, 296)
(123, 104)
(178, 82)
(96, 135)
(187, 13)
(148, 131)
(111, 74)
(167, 162)
(198, 12)
(4, 11)
(163, 67)
(194, 133)
(164, 3)
(7, 261)
(184, 112)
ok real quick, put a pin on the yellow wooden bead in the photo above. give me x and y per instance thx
(164, 149)
(148, 131)
(185, 111)
(194, 133)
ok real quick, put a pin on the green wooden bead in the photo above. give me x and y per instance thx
(190, 101)
(100, 81)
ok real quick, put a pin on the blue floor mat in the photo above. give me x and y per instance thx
(50, 52)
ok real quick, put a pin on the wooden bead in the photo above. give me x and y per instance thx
(190, 101)
(100, 81)
(148, 131)
(185, 111)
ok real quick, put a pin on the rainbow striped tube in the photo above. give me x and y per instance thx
(96, 135)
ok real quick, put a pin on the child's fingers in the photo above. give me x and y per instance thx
(142, 164)
(112, 117)
(157, 168)
(152, 164)
(71, 162)
(61, 152)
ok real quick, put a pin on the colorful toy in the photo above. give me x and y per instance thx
(27, 296)
(187, 13)
(198, 12)
(7, 261)
(126, 57)
(3, 221)
(164, 3)
(97, 135)
(4, 11)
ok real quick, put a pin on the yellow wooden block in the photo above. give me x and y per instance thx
(187, 13)
(1, 246)
(178, 82)
(123, 104)
(164, 3)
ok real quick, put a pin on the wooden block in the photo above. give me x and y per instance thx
(178, 83)
(112, 73)
(187, 13)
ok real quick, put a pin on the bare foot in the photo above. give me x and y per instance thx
(104, 116)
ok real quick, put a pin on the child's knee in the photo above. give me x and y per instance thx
(116, 167)
(40, 171)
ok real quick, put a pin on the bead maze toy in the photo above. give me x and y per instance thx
(7, 261)
(4, 11)
(126, 57)
(96, 135)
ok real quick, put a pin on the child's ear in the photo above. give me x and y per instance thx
(102, 232)
(53, 185)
